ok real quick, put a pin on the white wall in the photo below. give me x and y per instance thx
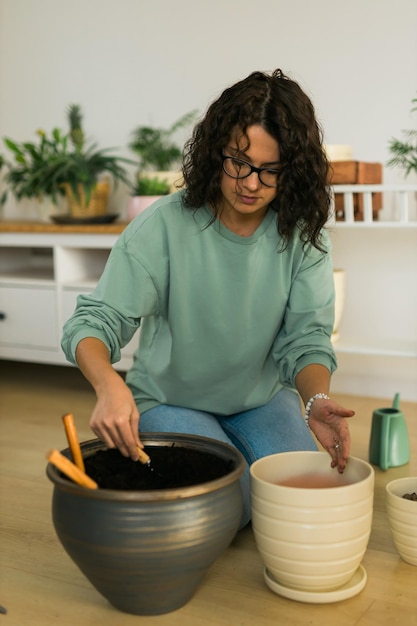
(380, 311)
(130, 62)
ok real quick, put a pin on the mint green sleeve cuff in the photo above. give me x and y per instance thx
(328, 361)
(69, 344)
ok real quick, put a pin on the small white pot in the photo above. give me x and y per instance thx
(402, 517)
(137, 204)
(339, 285)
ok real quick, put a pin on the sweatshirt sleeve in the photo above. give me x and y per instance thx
(112, 312)
(305, 336)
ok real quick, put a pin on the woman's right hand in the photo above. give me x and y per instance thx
(115, 418)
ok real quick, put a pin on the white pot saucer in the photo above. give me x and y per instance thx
(348, 590)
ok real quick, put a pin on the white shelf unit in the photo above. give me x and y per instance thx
(401, 200)
(377, 348)
(42, 273)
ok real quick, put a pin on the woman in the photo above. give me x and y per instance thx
(231, 282)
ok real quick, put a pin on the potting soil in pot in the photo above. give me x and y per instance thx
(172, 467)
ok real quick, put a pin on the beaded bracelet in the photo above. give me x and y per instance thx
(310, 403)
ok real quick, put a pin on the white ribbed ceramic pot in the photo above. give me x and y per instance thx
(311, 539)
(402, 517)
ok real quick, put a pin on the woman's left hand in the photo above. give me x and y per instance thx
(327, 422)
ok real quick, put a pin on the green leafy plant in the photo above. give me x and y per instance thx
(60, 159)
(24, 173)
(148, 186)
(405, 151)
(156, 147)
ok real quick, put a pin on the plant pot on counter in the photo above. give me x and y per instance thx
(94, 206)
(146, 551)
(137, 204)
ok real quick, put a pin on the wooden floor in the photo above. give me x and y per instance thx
(40, 585)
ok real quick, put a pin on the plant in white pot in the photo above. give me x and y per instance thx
(146, 191)
(160, 159)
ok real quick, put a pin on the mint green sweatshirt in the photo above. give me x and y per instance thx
(225, 321)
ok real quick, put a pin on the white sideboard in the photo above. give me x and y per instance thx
(42, 270)
(43, 267)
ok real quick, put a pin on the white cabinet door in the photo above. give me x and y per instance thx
(28, 316)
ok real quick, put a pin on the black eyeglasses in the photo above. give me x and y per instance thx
(236, 168)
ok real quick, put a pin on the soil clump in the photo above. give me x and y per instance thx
(410, 496)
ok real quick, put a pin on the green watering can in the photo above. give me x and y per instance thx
(389, 445)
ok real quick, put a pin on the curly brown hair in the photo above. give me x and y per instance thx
(280, 106)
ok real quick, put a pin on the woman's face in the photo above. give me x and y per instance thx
(248, 197)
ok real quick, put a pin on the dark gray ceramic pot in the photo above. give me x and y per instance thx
(146, 552)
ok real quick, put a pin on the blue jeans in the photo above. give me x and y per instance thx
(274, 427)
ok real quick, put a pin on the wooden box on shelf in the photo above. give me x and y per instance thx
(356, 173)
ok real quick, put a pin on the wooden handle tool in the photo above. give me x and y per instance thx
(73, 440)
(143, 457)
(70, 469)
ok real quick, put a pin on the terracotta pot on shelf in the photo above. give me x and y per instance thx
(356, 173)
(147, 551)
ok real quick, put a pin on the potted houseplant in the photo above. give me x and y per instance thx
(149, 186)
(404, 151)
(156, 147)
(23, 169)
(65, 164)
(159, 157)
(146, 190)
(85, 172)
